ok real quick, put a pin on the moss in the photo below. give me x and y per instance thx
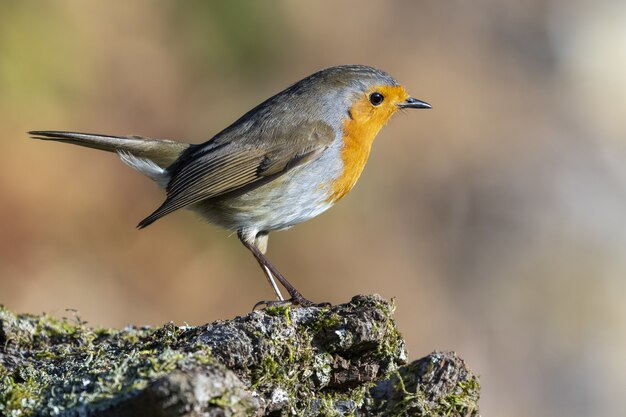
(301, 365)
(462, 402)
(19, 395)
(296, 361)
(332, 328)
(288, 362)
(437, 385)
(327, 320)
(280, 310)
(101, 365)
(393, 345)
(81, 364)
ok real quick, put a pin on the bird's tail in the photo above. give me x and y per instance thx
(160, 152)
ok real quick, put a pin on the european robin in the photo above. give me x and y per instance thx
(285, 161)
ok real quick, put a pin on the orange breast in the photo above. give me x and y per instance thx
(357, 142)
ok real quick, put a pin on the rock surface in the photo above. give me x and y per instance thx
(345, 360)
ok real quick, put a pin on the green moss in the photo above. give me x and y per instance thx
(83, 365)
(415, 401)
(326, 321)
(294, 366)
(280, 310)
(393, 345)
(17, 396)
(321, 361)
(97, 366)
(302, 367)
(276, 367)
(462, 401)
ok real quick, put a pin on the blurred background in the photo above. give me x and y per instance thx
(497, 219)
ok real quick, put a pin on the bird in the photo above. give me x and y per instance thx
(286, 161)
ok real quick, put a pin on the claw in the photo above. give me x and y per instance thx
(272, 303)
(296, 301)
(324, 304)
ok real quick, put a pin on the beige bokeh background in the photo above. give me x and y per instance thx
(497, 219)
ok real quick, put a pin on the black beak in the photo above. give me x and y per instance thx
(413, 103)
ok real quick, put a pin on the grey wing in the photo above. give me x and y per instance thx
(242, 165)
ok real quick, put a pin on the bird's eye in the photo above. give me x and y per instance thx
(376, 98)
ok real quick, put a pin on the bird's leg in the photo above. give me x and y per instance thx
(260, 241)
(296, 297)
(270, 278)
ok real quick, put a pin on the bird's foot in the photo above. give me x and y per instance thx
(273, 303)
(294, 301)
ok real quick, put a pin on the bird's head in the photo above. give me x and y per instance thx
(366, 95)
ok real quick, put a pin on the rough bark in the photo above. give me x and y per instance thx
(343, 360)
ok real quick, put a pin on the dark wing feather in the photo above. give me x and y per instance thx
(242, 165)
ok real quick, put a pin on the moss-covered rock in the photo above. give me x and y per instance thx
(439, 384)
(343, 360)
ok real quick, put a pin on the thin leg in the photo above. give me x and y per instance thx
(260, 241)
(270, 278)
(296, 297)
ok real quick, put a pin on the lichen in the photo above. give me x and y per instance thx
(302, 363)
(345, 360)
(437, 385)
(49, 365)
(461, 402)
(290, 364)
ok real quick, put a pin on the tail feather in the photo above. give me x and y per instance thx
(147, 167)
(162, 152)
(148, 156)
(156, 215)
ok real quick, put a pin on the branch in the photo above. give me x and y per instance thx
(347, 359)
